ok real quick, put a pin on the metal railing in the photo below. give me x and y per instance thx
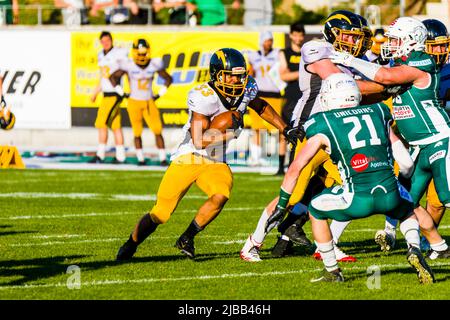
(44, 14)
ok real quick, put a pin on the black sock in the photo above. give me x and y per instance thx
(287, 222)
(192, 230)
(281, 163)
(145, 228)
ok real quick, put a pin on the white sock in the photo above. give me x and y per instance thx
(162, 155)
(440, 246)
(140, 155)
(101, 151)
(410, 230)
(337, 228)
(255, 152)
(260, 233)
(390, 226)
(326, 251)
(120, 153)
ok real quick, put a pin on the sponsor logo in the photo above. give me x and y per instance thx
(437, 155)
(379, 164)
(420, 63)
(403, 112)
(359, 162)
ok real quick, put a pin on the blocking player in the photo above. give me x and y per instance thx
(360, 141)
(343, 31)
(200, 157)
(260, 64)
(141, 102)
(420, 119)
(436, 45)
(7, 118)
(108, 115)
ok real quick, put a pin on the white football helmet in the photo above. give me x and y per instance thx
(404, 35)
(339, 90)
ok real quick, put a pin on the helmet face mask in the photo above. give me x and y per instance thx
(378, 40)
(438, 40)
(228, 72)
(404, 35)
(141, 52)
(338, 91)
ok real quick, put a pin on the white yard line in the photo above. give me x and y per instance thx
(203, 277)
(99, 214)
(59, 236)
(94, 196)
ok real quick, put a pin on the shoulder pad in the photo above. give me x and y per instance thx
(198, 102)
(315, 50)
(157, 63)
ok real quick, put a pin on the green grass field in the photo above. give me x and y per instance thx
(50, 220)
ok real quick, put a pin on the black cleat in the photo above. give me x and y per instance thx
(126, 251)
(330, 276)
(186, 246)
(164, 163)
(96, 159)
(417, 261)
(433, 254)
(296, 234)
(142, 163)
(282, 248)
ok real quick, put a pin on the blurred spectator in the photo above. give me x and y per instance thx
(116, 11)
(257, 12)
(177, 10)
(73, 12)
(9, 12)
(211, 12)
(105, 5)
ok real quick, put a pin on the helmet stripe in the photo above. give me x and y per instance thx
(338, 16)
(221, 56)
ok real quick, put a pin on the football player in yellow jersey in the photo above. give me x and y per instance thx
(108, 116)
(141, 102)
(201, 154)
(7, 118)
(261, 63)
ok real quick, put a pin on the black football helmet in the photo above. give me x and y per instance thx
(437, 36)
(231, 62)
(343, 22)
(141, 52)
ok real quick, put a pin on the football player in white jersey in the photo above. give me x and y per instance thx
(261, 63)
(108, 116)
(343, 31)
(201, 155)
(141, 102)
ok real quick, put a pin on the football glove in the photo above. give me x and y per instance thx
(342, 58)
(275, 219)
(293, 133)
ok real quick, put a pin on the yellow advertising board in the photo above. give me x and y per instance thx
(186, 55)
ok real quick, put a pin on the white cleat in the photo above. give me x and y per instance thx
(250, 250)
(341, 256)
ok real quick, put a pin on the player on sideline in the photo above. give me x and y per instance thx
(343, 31)
(421, 121)
(360, 141)
(436, 45)
(7, 118)
(141, 103)
(200, 157)
(108, 115)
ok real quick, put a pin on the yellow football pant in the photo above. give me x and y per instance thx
(432, 196)
(146, 110)
(311, 169)
(108, 114)
(257, 123)
(211, 177)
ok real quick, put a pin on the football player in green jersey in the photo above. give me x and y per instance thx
(360, 141)
(420, 119)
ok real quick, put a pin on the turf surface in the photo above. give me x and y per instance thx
(50, 220)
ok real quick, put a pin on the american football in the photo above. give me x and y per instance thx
(224, 120)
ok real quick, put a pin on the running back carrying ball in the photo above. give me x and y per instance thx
(224, 121)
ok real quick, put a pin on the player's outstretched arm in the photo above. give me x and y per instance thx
(401, 155)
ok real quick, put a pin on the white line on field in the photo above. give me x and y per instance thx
(59, 236)
(204, 277)
(95, 196)
(99, 214)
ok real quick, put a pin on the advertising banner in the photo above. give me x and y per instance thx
(35, 67)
